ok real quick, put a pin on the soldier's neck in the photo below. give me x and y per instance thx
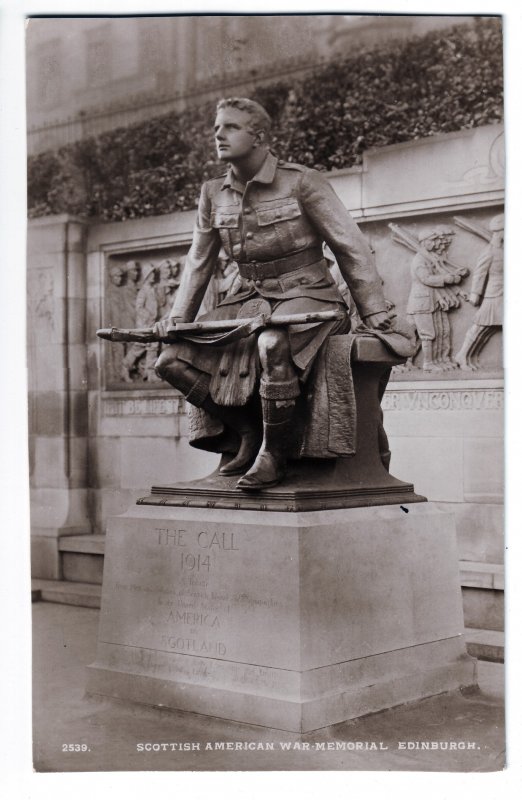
(246, 168)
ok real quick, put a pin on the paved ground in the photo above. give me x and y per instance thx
(65, 642)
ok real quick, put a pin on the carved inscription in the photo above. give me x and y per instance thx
(185, 597)
(473, 400)
(161, 663)
(195, 609)
(143, 407)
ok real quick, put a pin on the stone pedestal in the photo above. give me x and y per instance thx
(288, 620)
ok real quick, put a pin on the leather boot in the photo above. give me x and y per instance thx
(239, 421)
(269, 468)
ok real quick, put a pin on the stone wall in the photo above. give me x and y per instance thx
(58, 424)
(104, 429)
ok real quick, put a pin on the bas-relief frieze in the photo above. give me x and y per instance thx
(438, 288)
(140, 292)
(486, 292)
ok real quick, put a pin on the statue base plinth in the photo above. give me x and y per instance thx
(289, 621)
(308, 486)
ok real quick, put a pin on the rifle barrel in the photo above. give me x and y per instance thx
(214, 326)
(147, 335)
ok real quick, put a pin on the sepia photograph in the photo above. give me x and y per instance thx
(265, 387)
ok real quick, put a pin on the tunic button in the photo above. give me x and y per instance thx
(258, 282)
(250, 235)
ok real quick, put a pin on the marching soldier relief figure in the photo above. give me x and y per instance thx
(271, 218)
(432, 275)
(487, 292)
(150, 302)
(130, 290)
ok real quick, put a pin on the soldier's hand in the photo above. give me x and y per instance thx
(160, 328)
(474, 299)
(454, 279)
(380, 321)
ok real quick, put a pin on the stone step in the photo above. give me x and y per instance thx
(481, 575)
(67, 592)
(485, 645)
(82, 558)
(94, 544)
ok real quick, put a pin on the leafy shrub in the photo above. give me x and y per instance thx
(443, 81)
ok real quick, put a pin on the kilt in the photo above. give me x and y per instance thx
(234, 368)
(490, 312)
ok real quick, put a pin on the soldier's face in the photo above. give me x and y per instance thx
(133, 272)
(233, 137)
(116, 276)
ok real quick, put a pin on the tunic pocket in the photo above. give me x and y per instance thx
(224, 219)
(279, 213)
(287, 222)
(227, 223)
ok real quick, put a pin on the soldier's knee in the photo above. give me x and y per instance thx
(272, 345)
(168, 367)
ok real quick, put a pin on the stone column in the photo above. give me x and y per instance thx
(57, 375)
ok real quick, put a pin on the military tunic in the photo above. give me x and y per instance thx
(273, 228)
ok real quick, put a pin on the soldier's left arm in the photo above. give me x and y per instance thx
(481, 274)
(336, 226)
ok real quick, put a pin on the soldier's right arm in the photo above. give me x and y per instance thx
(199, 264)
(424, 274)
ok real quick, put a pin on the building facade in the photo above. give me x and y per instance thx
(93, 74)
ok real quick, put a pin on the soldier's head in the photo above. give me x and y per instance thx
(444, 237)
(117, 275)
(133, 271)
(496, 226)
(169, 271)
(150, 274)
(241, 126)
(437, 239)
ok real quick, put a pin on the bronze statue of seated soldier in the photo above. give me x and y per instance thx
(271, 217)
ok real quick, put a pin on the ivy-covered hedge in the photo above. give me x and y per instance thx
(443, 81)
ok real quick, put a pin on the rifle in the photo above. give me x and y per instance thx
(473, 227)
(447, 296)
(220, 331)
(401, 236)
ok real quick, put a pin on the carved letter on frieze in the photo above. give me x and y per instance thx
(487, 291)
(432, 296)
